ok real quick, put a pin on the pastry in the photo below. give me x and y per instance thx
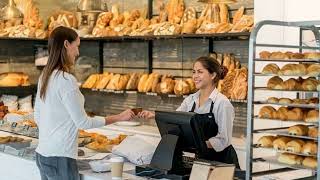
(291, 84)
(189, 27)
(312, 116)
(282, 113)
(123, 82)
(105, 79)
(273, 100)
(133, 82)
(238, 15)
(156, 81)
(312, 55)
(142, 82)
(310, 148)
(167, 86)
(309, 84)
(267, 112)
(299, 101)
(298, 130)
(285, 101)
(91, 81)
(295, 145)
(313, 70)
(279, 55)
(181, 88)
(293, 69)
(192, 85)
(290, 159)
(310, 162)
(280, 143)
(266, 141)
(13, 79)
(264, 55)
(295, 114)
(313, 100)
(275, 83)
(296, 56)
(270, 69)
(244, 24)
(148, 85)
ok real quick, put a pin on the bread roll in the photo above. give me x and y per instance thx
(312, 55)
(133, 82)
(313, 70)
(298, 130)
(167, 86)
(296, 56)
(312, 116)
(148, 85)
(192, 85)
(266, 141)
(313, 100)
(267, 112)
(265, 55)
(280, 143)
(290, 159)
(285, 101)
(275, 83)
(293, 70)
(309, 84)
(271, 69)
(273, 100)
(310, 162)
(295, 114)
(279, 55)
(295, 145)
(282, 113)
(142, 82)
(310, 148)
(291, 84)
(90, 82)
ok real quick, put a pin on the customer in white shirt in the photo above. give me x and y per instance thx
(208, 100)
(59, 110)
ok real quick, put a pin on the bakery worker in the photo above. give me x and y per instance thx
(208, 100)
(59, 110)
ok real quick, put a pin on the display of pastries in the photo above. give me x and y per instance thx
(278, 55)
(308, 84)
(10, 139)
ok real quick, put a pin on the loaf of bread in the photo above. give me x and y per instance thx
(295, 114)
(105, 79)
(310, 148)
(265, 55)
(224, 13)
(290, 159)
(156, 81)
(298, 130)
(240, 85)
(14, 79)
(313, 70)
(192, 85)
(310, 84)
(181, 88)
(271, 69)
(273, 100)
(280, 143)
(114, 82)
(91, 81)
(295, 145)
(167, 86)
(313, 100)
(275, 83)
(266, 141)
(149, 82)
(189, 27)
(285, 101)
(123, 82)
(312, 116)
(310, 162)
(293, 70)
(279, 55)
(238, 15)
(267, 112)
(142, 82)
(312, 55)
(133, 82)
(313, 132)
(282, 113)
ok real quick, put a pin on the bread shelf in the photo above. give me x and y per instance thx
(278, 151)
(289, 60)
(298, 122)
(310, 106)
(271, 75)
(274, 160)
(283, 132)
(297, 91)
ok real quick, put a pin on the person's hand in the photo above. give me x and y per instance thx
(126, 115)
(146, 114)
(209, 145)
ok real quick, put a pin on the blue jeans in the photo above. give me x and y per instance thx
(57, 168)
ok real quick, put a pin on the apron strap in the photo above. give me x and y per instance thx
(211, 107)
(193, 107)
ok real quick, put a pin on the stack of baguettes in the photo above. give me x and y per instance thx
(13, 79)
(142, 82)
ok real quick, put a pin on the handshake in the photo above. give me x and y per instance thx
(129, 114)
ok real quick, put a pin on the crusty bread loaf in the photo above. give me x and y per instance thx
(142, 82)
(156, 81)
(313, 70)
(224, 13)
(167, 86)
(285, 101)
(310, 162)
(291, 84)
(310, 148)
(91, 81)
(133, 81)
(280, 143)
(310, 84)
(312, 55)
(271, 69)
(290, 159)
(123, 82)
(312, 116)
(265, 55)
(293, 70)
(295, 145)
(148, 85)
(282, 113)
(298, 130)
(275, 83)
(273, 100)
(105, 79)
(192, 85)
(266, 141)
(113, 84)
(295, 114)
(267, 112)
(237, 15)
(279, 55)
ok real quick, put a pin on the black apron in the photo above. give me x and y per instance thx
(207, 121)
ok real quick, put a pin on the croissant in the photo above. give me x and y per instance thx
(267, 112)
(309, 84)
(314, 70)
(275, 83)
(271, 69)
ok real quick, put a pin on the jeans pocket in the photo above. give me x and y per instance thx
(49, 165)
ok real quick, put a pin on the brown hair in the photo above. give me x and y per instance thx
(213, 66)
(58, 58)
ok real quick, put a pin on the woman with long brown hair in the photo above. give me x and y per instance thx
(215, 107)
(59, 110)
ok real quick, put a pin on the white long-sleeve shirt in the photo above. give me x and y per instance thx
(60, 116)
(223, 113)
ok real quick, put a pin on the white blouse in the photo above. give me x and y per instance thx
(223, 113)
(61, 115)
